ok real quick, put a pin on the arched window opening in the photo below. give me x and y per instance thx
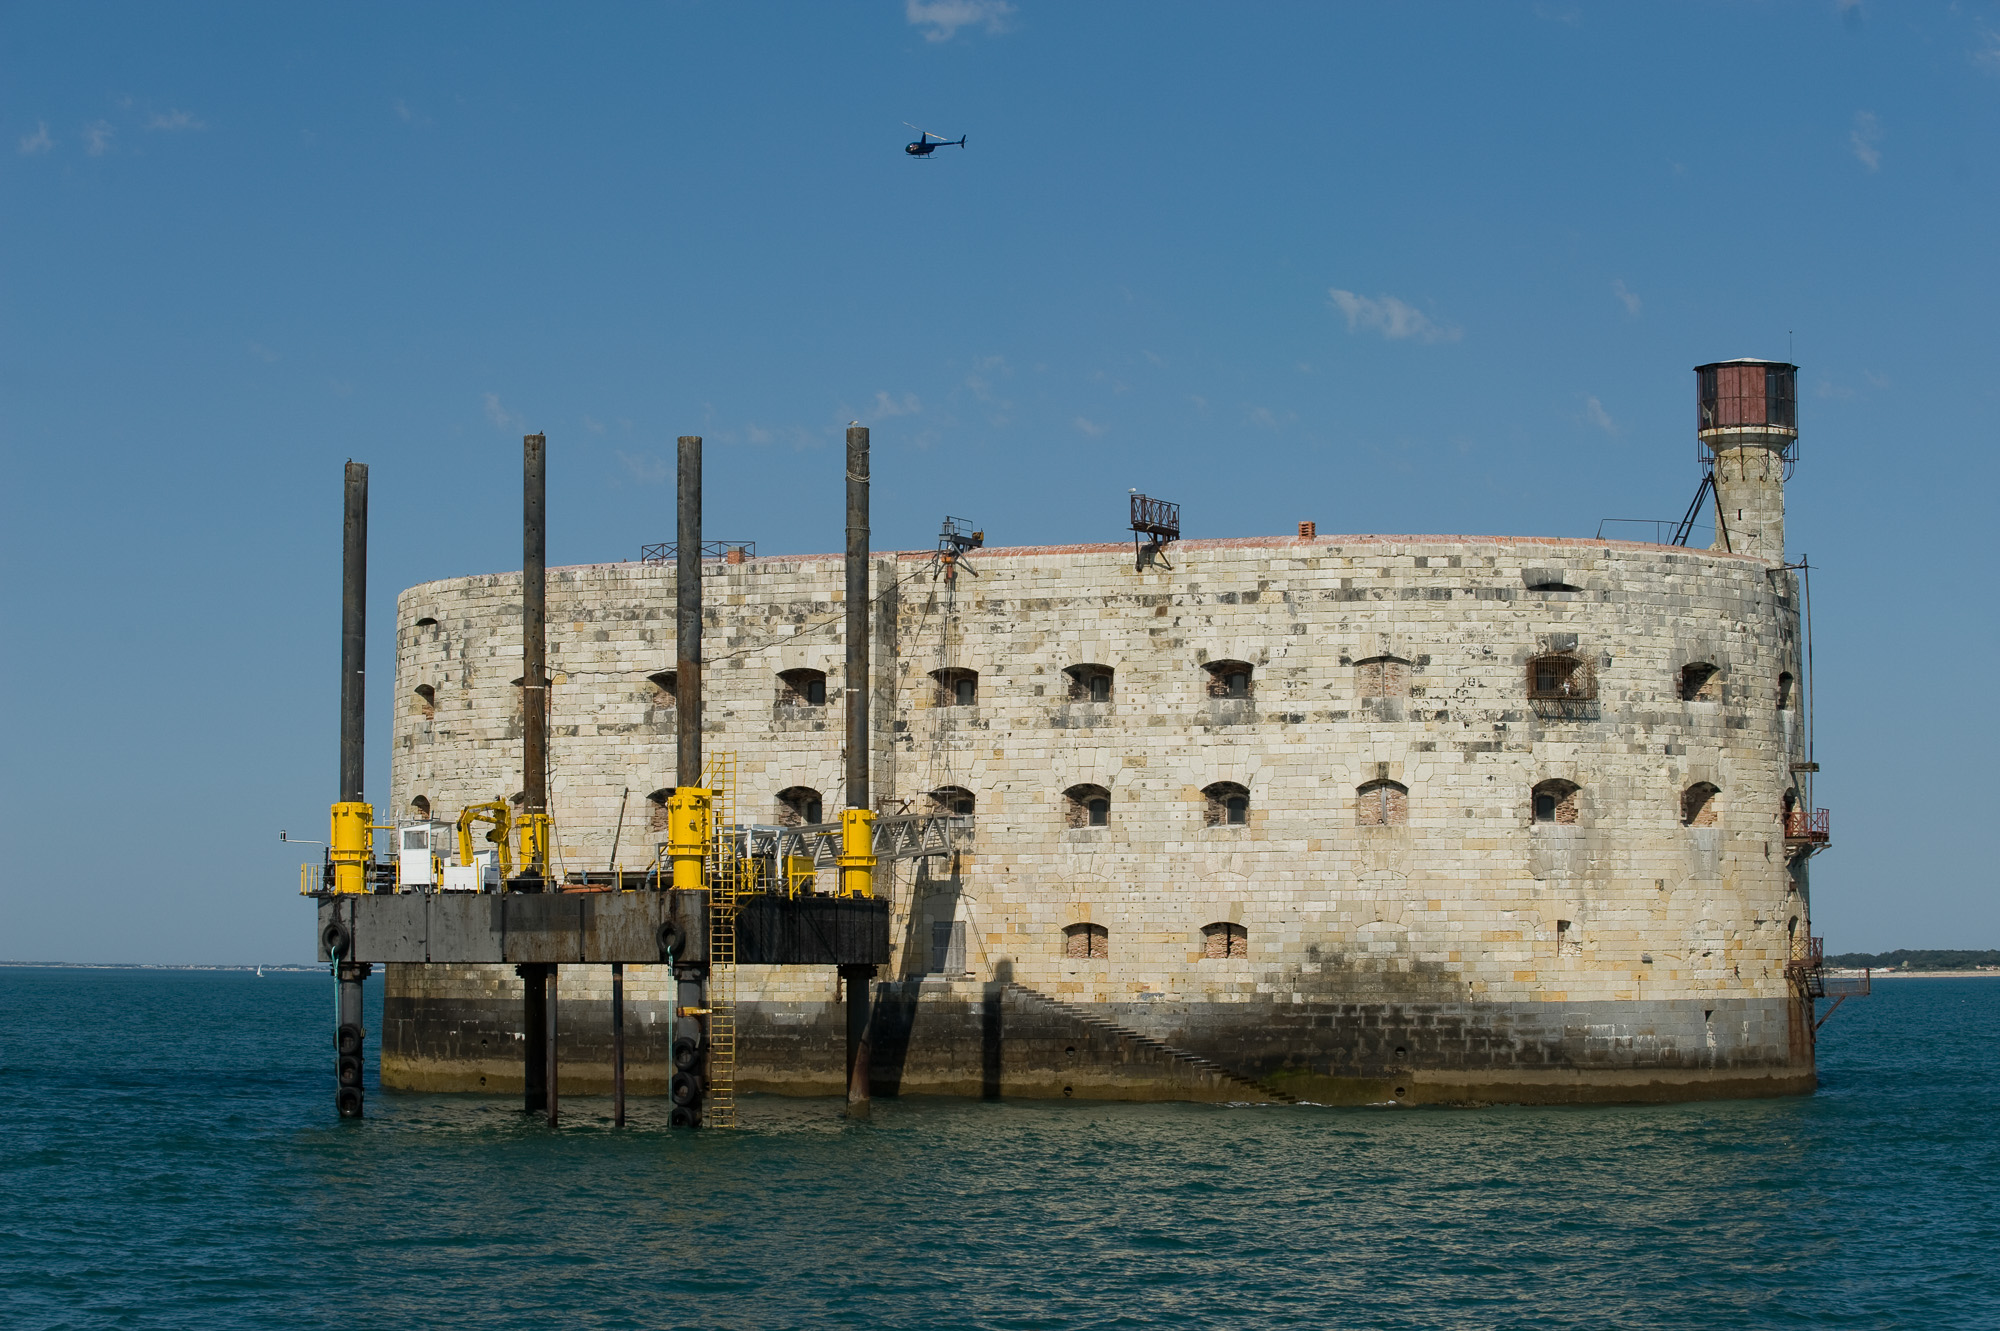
(1086, 942)
(799, 806)
(1699, 805)
(1382, 803)
(1230, 679)
(1787, 807)
(666, 687)
(952, 799)
(1701, 681)
(1785, 691)
(1560, 677)
(1223, 939)
(802, 688)
(1382, 677)
(656, 809)
(1556, 801)
(420, 808)
(1228, 805)
(426, 699)
(1087, 806)
(1089, 683)
(427, 623)
(956, 687)
(1568, 944)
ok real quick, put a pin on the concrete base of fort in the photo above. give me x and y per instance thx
(996, 1039)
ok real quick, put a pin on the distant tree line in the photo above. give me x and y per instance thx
(1933, 959)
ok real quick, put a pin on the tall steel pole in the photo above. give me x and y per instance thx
(857, 617)
(859, 981)
(351, 825)
(534, 629)
(687, 616)
(353, 631)
(688, 835)
(538, 980)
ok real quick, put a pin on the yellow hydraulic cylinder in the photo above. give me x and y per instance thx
(352, 841)
(857, 852)
(537, 842)
(689, 810)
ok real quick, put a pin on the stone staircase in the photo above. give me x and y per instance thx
(1252, 1090)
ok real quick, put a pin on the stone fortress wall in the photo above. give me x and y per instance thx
(1402, 923)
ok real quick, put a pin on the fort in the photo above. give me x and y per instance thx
(1342, 818)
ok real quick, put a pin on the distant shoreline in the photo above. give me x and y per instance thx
(1918, 975)
(282, 966)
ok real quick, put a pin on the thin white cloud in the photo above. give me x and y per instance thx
(38, 142)
(262, 352)
(1270, 420)
(592, 424)
(941, 19)
(1987, 57)
(97, 137)
(1393, 318)
(1090, 427)
(1626, 297)
(1866, 139)
(1595, 414)
(645, 468)
(887, 407)
(175, 120)
(409, 115)
(500, 416)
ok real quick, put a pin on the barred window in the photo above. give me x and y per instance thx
(1226, 804)
(1223, 939)
(1086, 942)
(1382, 803)
(1558, 676)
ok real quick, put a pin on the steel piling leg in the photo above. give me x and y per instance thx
(860, 982)
(553, 1098)
(617, 1044)
(535, 1037)
(350, 1040)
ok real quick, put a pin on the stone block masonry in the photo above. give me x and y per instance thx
(1409, 927)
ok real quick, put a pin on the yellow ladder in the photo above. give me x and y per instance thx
(723, 870)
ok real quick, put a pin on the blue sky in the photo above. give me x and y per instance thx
(1418, 268)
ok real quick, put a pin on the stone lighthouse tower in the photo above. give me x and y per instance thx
(1748, 419)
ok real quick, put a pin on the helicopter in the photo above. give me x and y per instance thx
(923, 147)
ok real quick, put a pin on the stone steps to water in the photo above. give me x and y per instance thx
(1193, 1061)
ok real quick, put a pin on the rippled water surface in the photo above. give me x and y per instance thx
(169, 1158)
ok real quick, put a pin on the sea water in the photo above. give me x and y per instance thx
(169, 1157)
